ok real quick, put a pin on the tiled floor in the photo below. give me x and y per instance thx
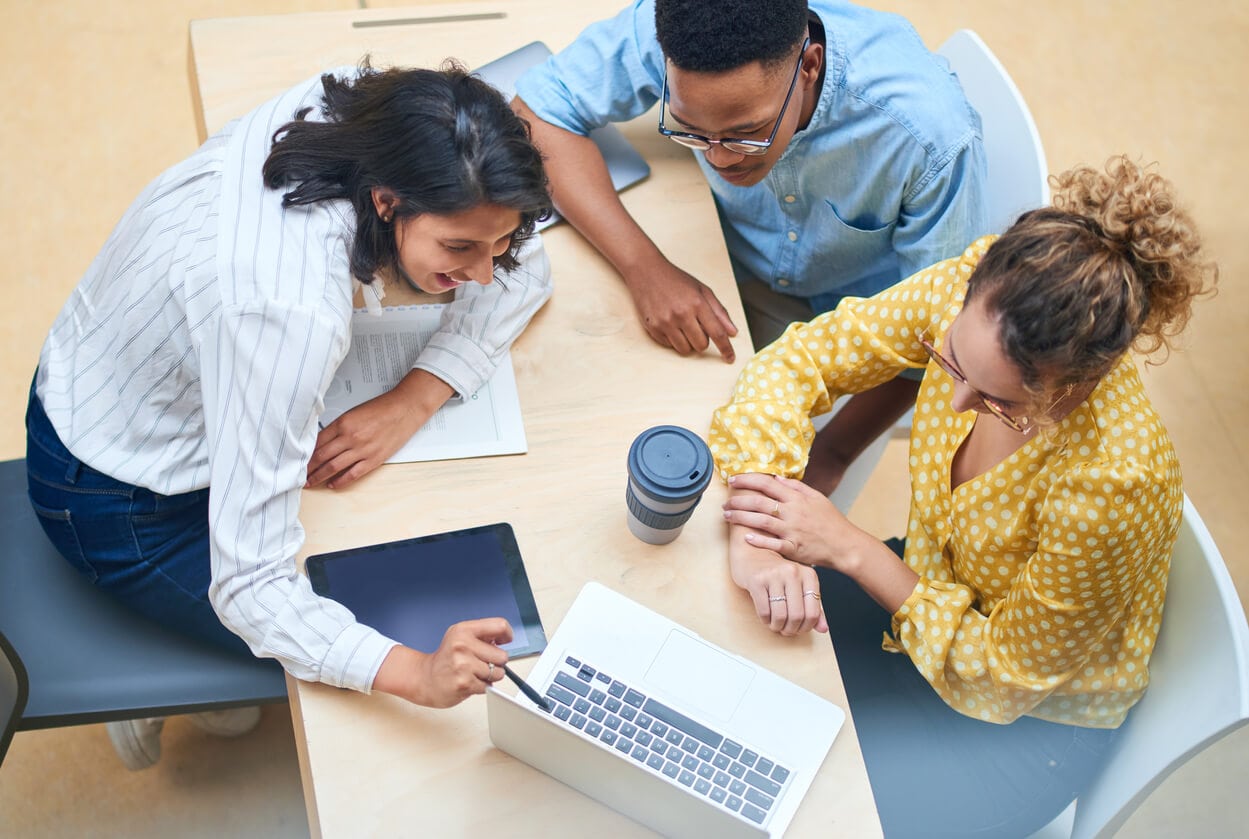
(98, 104)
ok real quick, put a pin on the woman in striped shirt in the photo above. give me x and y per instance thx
(173, 421)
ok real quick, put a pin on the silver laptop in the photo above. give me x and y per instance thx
(670, 730)
(624, 164)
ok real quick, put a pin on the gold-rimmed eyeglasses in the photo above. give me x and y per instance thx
(739, 146)
(1020, 424)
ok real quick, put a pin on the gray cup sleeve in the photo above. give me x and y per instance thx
(658, 521)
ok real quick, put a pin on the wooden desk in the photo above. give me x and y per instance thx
(590, 380)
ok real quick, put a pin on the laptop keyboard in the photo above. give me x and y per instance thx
(666, 741)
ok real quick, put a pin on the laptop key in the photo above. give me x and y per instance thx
(748, 757)
(617, 689)
(780, 774)
(733, 803)
(706, 752)
(602, 677)
(737, 770)
(563, 712)
(690, 762)
(678, 720)
(628, 712)
(643, 737)
(671, 769)
(581, 706)
(753, 813)
(557, 693)
(731, 748)
(690, 745)
(639, 752)
(764, 766)
(612, 704)
(597, 714)
(674, 737)
(768, 785)
(624, 745)
(577, 721)
(686, 778)
(586, 673)
(718, 794)
(573, 684)
(573, 663)
(645, 720)
(659, 747)
(592, 728)
(628, 729)
(706, 770)
(613, 722)
(722, 779)
(597, 697)
(702, 787)
(655, 761)
(608, 736)
(634, 698)
(738, 787)
(721, 760)
(758, 799)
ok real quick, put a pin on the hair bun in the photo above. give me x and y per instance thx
(1138, 216)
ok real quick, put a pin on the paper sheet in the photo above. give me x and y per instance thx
(382, 352)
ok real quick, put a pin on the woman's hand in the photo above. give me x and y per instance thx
(365, 437)
(790, 518)
(786, 595)
(465, 663)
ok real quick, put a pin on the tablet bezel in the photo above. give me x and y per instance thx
(319, 575)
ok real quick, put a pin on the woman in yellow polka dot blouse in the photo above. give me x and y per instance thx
(1045, 494)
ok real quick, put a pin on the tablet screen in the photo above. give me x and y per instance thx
(414, 590)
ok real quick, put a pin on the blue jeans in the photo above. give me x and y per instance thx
(149, 551)
(935, 772)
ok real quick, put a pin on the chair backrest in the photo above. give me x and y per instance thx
(88, 659)
(1198, 685)
(13, 691)
(1016, 161)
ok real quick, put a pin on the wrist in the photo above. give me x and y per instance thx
(402, 674)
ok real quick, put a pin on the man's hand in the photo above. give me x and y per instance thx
(680, 312)
(365, 437)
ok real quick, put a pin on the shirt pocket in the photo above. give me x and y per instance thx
(859, 252)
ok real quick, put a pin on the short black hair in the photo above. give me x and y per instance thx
(711, 36)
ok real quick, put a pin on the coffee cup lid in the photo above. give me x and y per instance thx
(670, 463)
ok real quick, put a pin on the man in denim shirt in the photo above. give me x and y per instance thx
(871, 167)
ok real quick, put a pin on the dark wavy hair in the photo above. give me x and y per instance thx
(705, 37)
(442, 140)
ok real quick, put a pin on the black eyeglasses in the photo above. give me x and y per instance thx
(751, 147)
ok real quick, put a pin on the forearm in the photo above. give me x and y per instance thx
(582, 190)
(423, 394)
(877, 569)
(401, 674)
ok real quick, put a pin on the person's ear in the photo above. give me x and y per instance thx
(384, 202)
(812, 61)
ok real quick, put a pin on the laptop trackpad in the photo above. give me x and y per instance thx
(700, 676)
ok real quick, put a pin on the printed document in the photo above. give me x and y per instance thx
(382, 352)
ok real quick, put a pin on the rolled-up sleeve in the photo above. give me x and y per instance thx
(480, 325)
(947, 210)
(612, 72)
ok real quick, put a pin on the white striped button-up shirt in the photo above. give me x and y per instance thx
(196, 352)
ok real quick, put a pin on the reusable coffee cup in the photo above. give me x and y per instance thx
(669, 467)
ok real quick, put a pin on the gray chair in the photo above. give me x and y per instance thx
(87, 658)
(13, 690)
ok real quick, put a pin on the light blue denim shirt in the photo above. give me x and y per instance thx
(884, 181)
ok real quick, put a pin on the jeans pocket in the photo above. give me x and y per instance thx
(59, 525)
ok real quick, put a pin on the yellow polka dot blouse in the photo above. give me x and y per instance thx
(1041, 580)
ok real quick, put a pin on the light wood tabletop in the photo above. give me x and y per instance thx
(590, 380)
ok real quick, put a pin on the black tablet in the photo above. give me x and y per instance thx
(413, 590)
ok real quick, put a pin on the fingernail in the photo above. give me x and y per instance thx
(732, 478)
(750, 537)
(726, 514)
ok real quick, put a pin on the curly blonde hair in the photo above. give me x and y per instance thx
(1114, 264)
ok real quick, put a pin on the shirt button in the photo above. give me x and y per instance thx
(783, 282)
(793, 236)
(789, 199)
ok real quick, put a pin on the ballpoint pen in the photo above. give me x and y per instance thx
(540, 700)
